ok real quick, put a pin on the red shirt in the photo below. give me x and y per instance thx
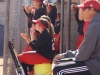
(85, 26)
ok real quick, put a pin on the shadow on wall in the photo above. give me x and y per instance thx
(1, 39)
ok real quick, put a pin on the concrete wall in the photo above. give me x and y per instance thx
(2, 13)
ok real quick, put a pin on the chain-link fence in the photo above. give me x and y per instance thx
(17, 25)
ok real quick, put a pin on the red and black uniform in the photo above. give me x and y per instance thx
(52, 14)
(25, 59)
(37, 14)
(85, 26)
(80, 30)
(57, 36)
(43, 47)
(30, 16)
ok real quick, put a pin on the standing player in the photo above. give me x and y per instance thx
(42, 45)
(57, 33)
(80, 23)
(52, 12)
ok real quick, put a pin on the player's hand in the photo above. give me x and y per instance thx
(27, 9)
(25, 36)
(23, 7)
(58, 57)
(74, 8)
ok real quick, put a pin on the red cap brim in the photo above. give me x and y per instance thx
(38, 22)
(34, 21)
(80, 6)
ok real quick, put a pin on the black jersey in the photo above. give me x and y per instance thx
(80, 24)
(57, 27)
(43, 45)
(39, 12)
(52, 18)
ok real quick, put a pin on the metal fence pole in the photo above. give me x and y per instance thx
(78, 1)
(68, 23)
(6, 33)
(61, 26)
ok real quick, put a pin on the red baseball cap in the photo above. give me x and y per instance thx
(40, 1)
(90, 3)
(39, 22)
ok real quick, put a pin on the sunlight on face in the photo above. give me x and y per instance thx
(86, 14)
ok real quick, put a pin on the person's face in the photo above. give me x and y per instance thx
(48, 10)
(87, 13)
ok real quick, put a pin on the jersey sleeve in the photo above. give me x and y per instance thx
(88, 45)
(38, 43)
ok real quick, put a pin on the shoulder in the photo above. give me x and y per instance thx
(45, 34)
(40, 9)
(94, 27)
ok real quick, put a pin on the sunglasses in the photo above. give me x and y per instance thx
(86, 8)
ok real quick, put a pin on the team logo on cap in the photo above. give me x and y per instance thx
(91, 5)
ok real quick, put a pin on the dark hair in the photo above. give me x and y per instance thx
(46, 17)
(41, 0)
(45, 21)
(45, 9)
(53, 13)
(98, 11)
(43, 6)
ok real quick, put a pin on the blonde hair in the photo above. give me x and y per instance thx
(51, 27)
